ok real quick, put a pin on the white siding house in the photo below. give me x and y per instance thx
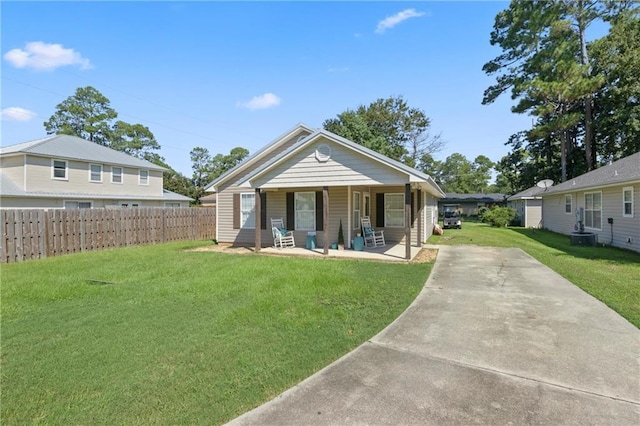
(315, 180)
(65, 171)
(605, 200)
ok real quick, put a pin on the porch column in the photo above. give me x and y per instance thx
(258, 221)
(407, 221)
(325, 217)
(419, 216)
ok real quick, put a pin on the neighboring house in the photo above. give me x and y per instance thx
(528, 204)
(208, 200)
(605, 200)
(468, 204)
(315, 180)
(65, 171)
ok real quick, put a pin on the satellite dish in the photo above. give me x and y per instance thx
(545, 183)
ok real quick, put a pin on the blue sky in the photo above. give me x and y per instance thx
(221, 75)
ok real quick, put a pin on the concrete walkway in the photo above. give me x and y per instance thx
(495, 337)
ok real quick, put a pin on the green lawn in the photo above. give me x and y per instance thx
(181, 337)
(609, 274)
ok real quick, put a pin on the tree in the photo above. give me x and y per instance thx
(206, 168)
(546, 65)
(86, 114)
(457, 174)
(390, 127)
(617, 104)
(135, 140)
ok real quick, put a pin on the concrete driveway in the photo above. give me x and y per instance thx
(495, 337)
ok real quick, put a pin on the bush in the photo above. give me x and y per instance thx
(499, 216)
(482, 211)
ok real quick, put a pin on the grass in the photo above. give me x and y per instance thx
(610, 274)
(159, 335)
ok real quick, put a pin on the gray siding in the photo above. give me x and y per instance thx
(13, 168)
(58, 203)
(39, 179)
(344, 167)
(533, 213)
(623, 228)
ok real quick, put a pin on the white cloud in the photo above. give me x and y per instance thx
(392, 21)
(17, 114)
(267, 100)
(45, 57)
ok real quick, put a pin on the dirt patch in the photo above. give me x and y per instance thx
(425, 255)
(226, 248)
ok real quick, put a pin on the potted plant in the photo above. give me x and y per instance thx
(340, 237)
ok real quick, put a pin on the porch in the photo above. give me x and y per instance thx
(389, 253)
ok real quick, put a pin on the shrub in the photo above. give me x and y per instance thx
(499, 216)
(482, 211)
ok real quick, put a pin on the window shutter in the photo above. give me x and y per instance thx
(236, 211)
(291, 222)
(319, 211)
(263, 210)
(380, 210)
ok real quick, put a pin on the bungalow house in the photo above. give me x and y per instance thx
(68, 172)
(316, 180)
(468, 204)
(528, 204)
(604, 201)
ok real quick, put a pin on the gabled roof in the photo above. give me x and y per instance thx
(492, 198)
(619, 172)
(415, 175)
(529, 193)
(251, 159)
(75, 148)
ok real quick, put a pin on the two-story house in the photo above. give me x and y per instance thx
(63, 171)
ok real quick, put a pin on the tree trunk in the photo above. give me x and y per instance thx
(589, 150)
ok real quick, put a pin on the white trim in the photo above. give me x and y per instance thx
(253, 204)
(592, 210)
(121, 175)
(66, 169)
(385, 210)
(625, 189)
(295, 210)
(91, 172)
(359, 210)
(179, 204)
(64, 203)
(140, 177)
(570, 202)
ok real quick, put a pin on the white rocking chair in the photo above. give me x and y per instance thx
(372, 238)
(281, 237)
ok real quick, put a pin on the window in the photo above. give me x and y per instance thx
(116, 174)
(394, 210)
(305, 207)
(143, 177)
(356, 210)
(77, 204)
(129, 204)
(172, 204)
(568, 201)
(627, 202)
(59, 169)
(593, 210)
(248, 210)
(95, 172)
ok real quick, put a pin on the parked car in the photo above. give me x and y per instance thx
(452, 220)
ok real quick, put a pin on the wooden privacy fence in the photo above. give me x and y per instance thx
(35, 234)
